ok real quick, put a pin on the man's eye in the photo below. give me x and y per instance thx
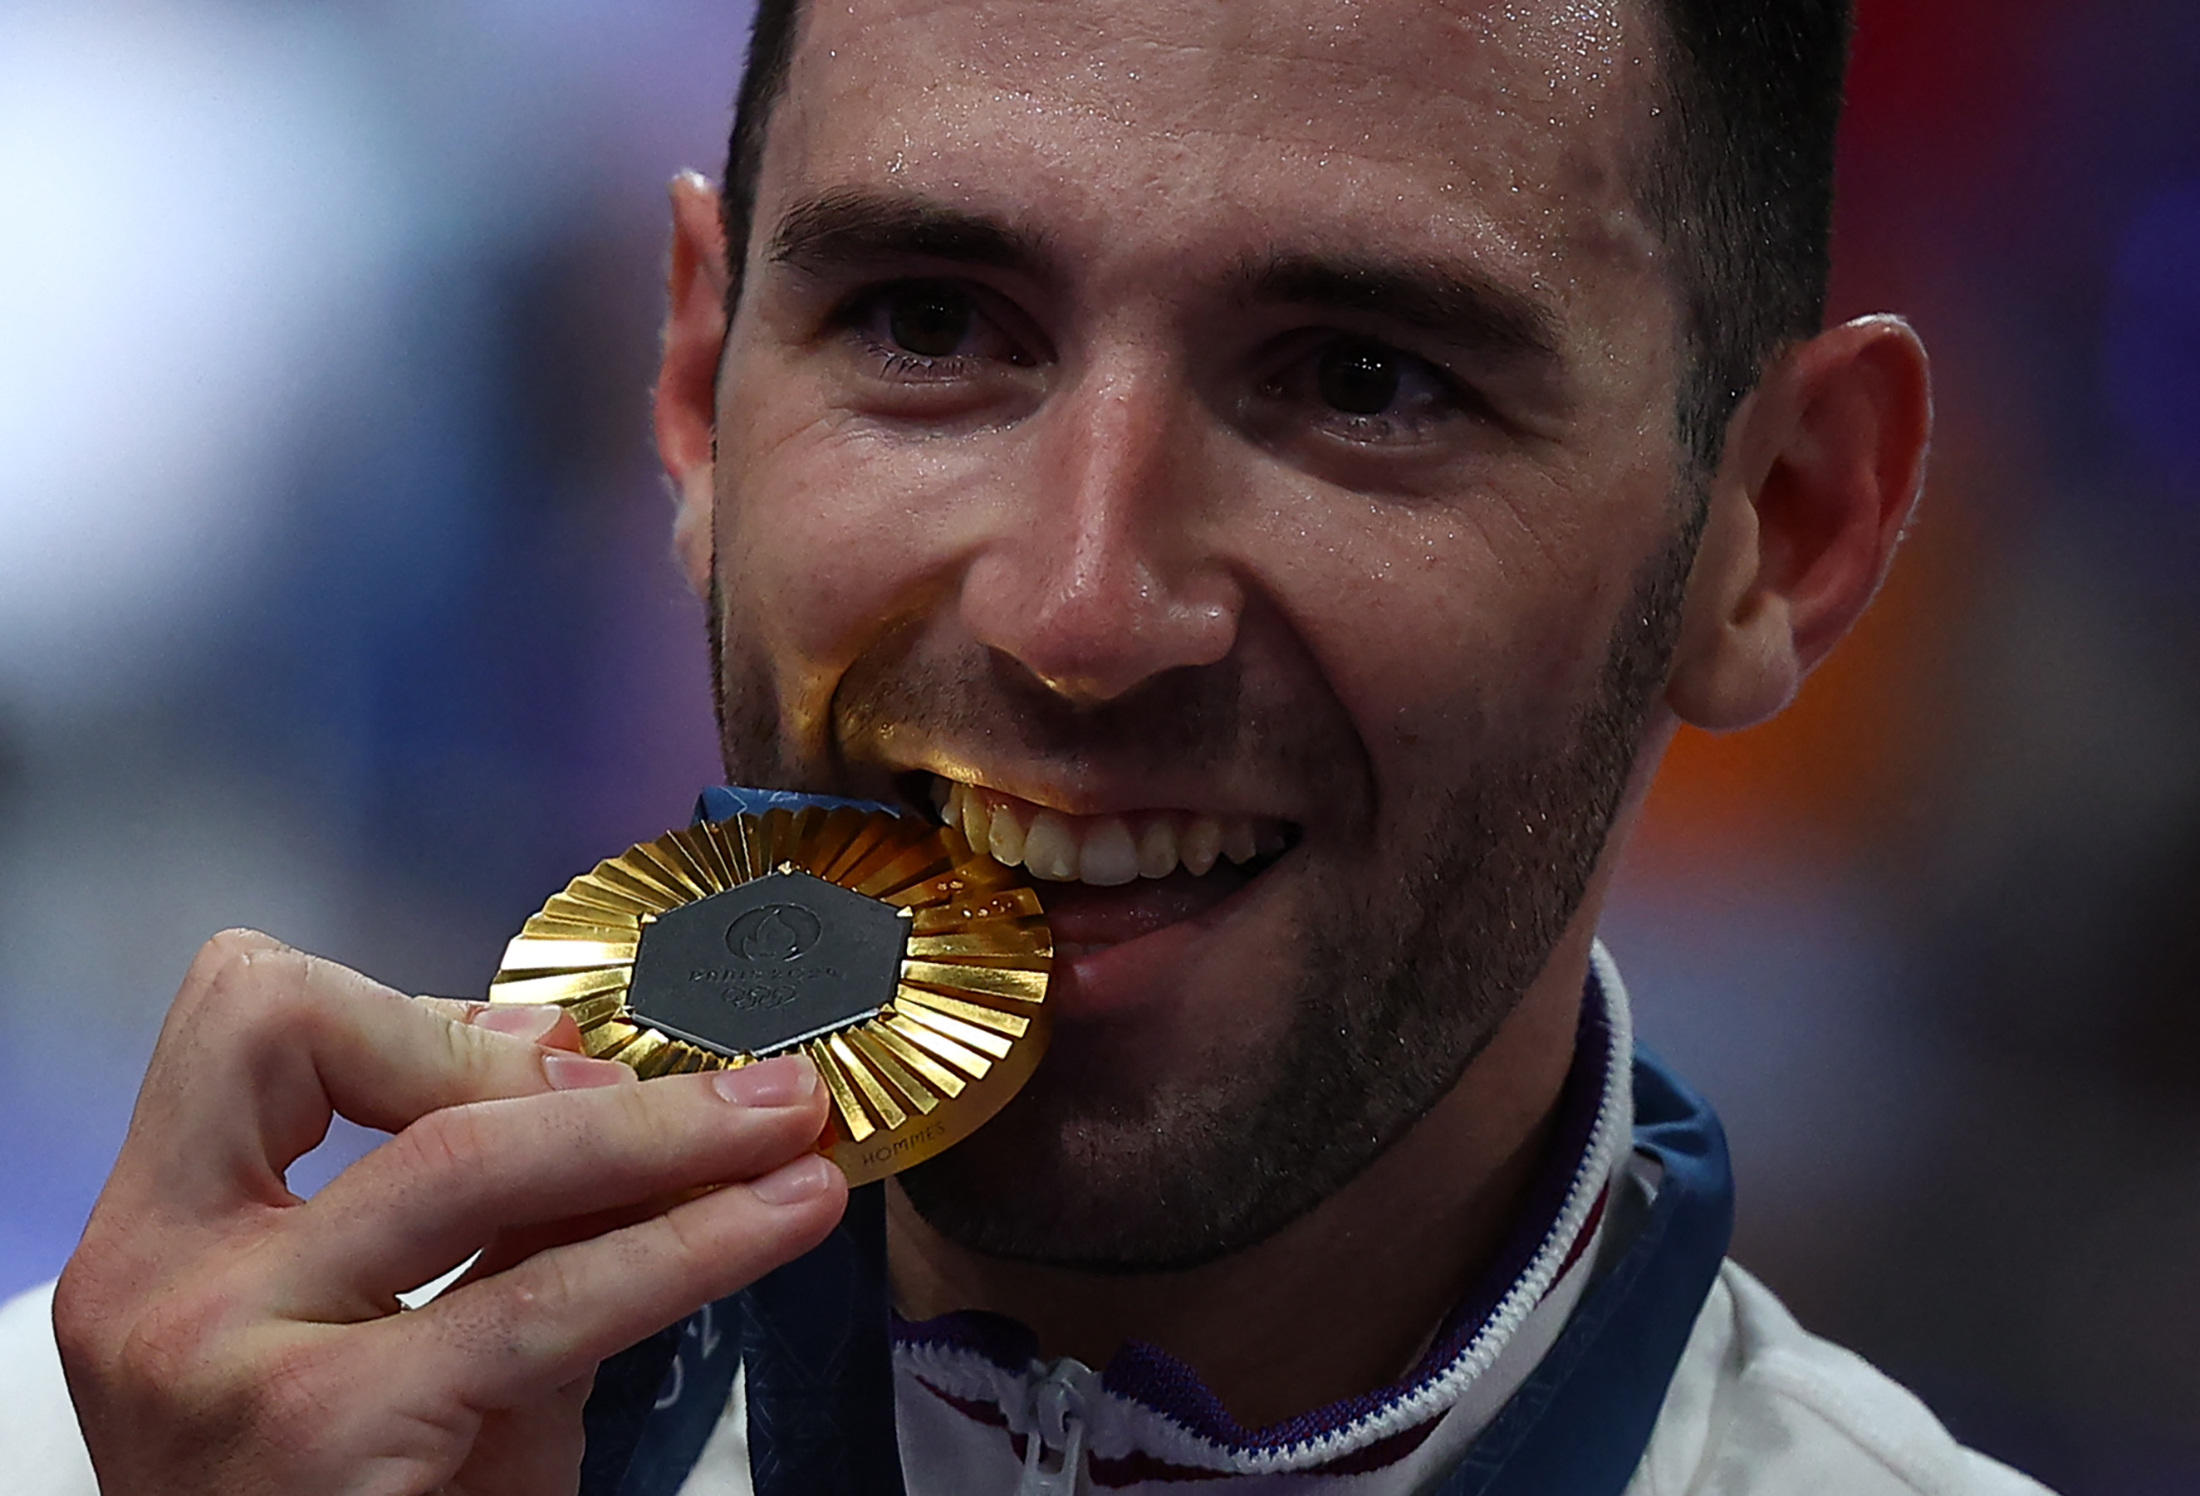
(1365, 390)
(931, 321)
(1360, 379)
(932, 331)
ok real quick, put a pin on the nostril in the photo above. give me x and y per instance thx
(1089, 621)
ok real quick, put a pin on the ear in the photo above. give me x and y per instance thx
(687, 379)
(1822, 467)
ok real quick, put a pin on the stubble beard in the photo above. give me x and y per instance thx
(1401, 984)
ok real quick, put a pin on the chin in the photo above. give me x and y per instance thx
(1170, 1134)
(1096, 1195)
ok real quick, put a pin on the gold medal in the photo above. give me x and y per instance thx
(910, 969)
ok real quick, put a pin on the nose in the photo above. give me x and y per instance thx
(1101, 577)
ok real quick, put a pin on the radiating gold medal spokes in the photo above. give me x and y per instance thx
(959, 1027)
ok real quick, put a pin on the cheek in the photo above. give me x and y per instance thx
(805, 551)
(1453, 633)
(829, 533)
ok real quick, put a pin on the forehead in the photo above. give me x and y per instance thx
(1501, 131)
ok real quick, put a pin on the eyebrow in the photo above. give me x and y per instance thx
(854, 226)
(851, 227)
(1458, 305)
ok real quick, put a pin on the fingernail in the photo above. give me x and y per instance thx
(572, 1072)
(791, 1184)
(787, 1081)
(521, 1021)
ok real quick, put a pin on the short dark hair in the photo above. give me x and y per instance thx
(1739, 181)
(1739, 184)
(763, 80)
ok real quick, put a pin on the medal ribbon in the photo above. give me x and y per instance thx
(1582, 1420)
(813, 1338)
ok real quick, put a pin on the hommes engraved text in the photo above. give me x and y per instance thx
(903, 1144)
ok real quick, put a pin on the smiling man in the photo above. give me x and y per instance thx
(1281, 472)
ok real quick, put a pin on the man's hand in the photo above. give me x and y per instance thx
(221, 1335)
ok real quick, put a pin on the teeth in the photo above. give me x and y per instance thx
(1111, 857)
(1200, 845)
(1050, 848)
(1237, 841)
(1104, 851)
(974, 820)
(1157, 849)
(1006, 841)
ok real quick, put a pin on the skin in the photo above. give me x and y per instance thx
(1123, 484)
(1153, 495)
(221, 1335)
(1111, 503)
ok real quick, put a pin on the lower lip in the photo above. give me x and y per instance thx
(1118, 950)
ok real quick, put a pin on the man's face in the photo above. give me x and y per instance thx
(1189, 423)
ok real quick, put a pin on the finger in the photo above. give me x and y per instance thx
(531, 1450)
(552, 1028)
(449, 1183)
(518, 1243)
(505, 1340)
(265, 1042)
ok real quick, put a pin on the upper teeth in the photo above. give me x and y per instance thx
(1104, 850)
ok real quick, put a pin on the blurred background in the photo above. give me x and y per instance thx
(335, 599)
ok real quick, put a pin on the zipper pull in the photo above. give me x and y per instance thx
(1057, 1423)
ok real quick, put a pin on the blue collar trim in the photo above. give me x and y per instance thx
(1580, 1423)
(1578, 1426)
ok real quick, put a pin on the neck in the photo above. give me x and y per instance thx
(1344, 1300)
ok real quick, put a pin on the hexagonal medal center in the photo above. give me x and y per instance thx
(769, 965)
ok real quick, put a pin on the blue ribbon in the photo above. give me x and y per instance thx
(815, 1336)
(1579, 1424)
(723, 803)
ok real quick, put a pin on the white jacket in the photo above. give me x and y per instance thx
(1759, 1407)
(1755, 1404)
